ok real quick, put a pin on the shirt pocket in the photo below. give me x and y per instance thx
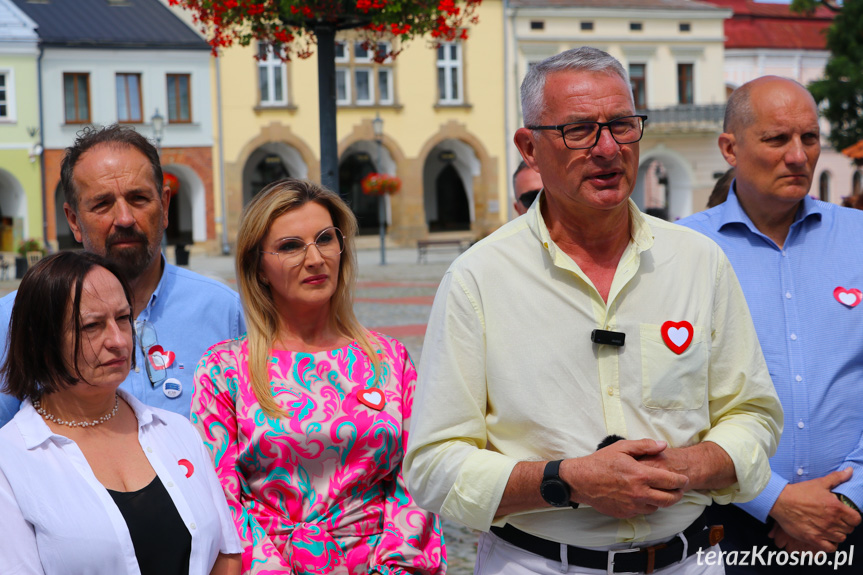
(672, 381)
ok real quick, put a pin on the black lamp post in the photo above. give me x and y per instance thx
(378, 127)
(158, 129)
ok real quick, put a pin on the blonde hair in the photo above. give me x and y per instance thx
(262, 315)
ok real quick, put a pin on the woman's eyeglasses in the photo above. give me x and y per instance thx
(292, 251)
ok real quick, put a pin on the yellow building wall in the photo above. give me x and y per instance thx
(412, 126)
(22, 173)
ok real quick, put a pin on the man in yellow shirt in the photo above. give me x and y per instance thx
(623, 324)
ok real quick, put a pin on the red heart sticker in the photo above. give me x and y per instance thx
(159, 358)
(850, 297)
(372, 397)
(677, 335)
(190, 469)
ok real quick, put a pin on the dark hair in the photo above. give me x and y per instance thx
(34, 347)
(720, 189)
(114, 135)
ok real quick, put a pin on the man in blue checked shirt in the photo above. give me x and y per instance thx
(117, 206)
(800, 263)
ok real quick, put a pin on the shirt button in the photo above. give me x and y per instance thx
(788, 295)
(799, 378)
(171, 483)
(137, 369)
(193, 526)
(799, 471)
(610, 391)
(793, 337)
(149, 450)
(800, 424)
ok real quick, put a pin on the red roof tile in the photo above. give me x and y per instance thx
(762, 25)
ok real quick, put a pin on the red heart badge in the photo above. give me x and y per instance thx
(159, 358)
(190, 469)
(677, 335)
(850, 297)
(372, 397)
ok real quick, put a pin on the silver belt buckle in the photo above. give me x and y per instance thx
(610, 567)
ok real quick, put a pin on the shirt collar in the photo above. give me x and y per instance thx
(732, 212)
(641, 233)
(35, 431)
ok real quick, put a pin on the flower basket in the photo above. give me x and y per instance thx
(30, 245)
(379, 184)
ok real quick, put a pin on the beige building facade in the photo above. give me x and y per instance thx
(443, 135)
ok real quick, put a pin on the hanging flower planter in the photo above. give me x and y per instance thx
(380, 184)
(172, 182)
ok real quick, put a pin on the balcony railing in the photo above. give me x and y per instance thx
(686, 118)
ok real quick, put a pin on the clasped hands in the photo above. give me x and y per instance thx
(809, 516)
(637, 477)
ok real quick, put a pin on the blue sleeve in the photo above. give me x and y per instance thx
(8, 404)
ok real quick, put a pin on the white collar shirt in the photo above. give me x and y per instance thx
(57, 518)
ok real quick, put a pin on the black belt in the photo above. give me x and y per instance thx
(635, 560)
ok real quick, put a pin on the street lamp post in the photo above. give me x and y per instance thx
(378, 127)
(158, 122)
(158, 129)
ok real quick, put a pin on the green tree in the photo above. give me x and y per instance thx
(297, 26)
(841, 88)
(809, 6)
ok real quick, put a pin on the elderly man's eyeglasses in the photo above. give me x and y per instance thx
(584, 135)
(527, 198)
(292, 251)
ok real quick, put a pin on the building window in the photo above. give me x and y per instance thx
(586, 26)
(272, 76)
(638, 81)
(449, 74)
(129, 98)
(537, 25)
(684, 84)
(360, 80)
(636, 26)
(685, 27)
(179, 98)
(76, 90)
(7, 96)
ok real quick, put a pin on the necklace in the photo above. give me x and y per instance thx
(37, 405)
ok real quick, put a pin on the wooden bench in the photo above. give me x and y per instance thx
(423, 247)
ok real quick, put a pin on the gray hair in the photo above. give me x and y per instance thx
(738, 109)
(583, 59)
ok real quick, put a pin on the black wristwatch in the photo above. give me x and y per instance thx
(553, 489)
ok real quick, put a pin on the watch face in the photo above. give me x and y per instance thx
(555, 492)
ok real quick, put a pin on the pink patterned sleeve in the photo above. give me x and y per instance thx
(412, 542)
(214, 415)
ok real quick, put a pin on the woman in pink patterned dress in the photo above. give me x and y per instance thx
(307, 415)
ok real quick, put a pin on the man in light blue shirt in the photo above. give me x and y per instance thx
(117, 206)
(800, 264)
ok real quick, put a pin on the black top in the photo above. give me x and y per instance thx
(162, 541)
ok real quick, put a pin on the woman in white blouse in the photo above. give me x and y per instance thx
(92, 480)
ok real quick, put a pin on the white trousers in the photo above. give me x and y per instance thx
(497, 557)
